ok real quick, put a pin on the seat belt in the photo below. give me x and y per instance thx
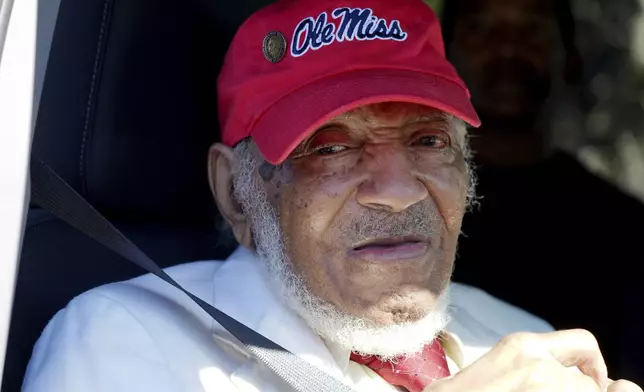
(53, 194)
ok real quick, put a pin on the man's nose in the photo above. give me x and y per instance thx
(393, 183)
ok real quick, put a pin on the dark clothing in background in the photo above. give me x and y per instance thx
(563, 244)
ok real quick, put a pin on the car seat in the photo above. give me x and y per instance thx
(127, 114)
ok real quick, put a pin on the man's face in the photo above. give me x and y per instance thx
(370, 209)
(503, 50)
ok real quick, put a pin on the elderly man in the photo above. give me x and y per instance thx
(343, 175)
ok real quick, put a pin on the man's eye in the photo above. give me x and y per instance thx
(433, 141)
(328, 150)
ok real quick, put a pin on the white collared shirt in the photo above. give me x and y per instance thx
(144, 335)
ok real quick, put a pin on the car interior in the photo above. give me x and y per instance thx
(127, 115)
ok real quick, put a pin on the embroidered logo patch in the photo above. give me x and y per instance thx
(350, 24)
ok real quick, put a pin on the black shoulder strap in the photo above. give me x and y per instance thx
(52, 193)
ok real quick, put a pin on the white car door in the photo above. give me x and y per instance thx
(26, 28)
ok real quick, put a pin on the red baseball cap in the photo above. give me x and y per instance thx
(296, 64)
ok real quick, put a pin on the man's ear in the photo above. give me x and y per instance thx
(220, 176)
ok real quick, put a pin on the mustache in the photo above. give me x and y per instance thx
(420, 220)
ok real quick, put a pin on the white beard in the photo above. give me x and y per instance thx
(332, 324)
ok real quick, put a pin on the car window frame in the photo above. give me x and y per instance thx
(26, 30)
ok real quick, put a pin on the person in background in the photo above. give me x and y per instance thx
(548, 235)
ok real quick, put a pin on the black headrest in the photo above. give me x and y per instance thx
(127, 115)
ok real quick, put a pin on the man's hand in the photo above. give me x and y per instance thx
(538, 362)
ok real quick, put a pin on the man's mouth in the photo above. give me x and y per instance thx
(391, 249)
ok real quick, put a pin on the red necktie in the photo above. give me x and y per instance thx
(412, 373)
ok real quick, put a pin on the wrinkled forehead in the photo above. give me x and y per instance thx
(491, 7)
(391, 114)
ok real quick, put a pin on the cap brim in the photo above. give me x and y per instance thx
(293, 118)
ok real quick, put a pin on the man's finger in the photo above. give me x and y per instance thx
(577, 347)
(623, 386)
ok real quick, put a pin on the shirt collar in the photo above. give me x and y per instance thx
(340, 355)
